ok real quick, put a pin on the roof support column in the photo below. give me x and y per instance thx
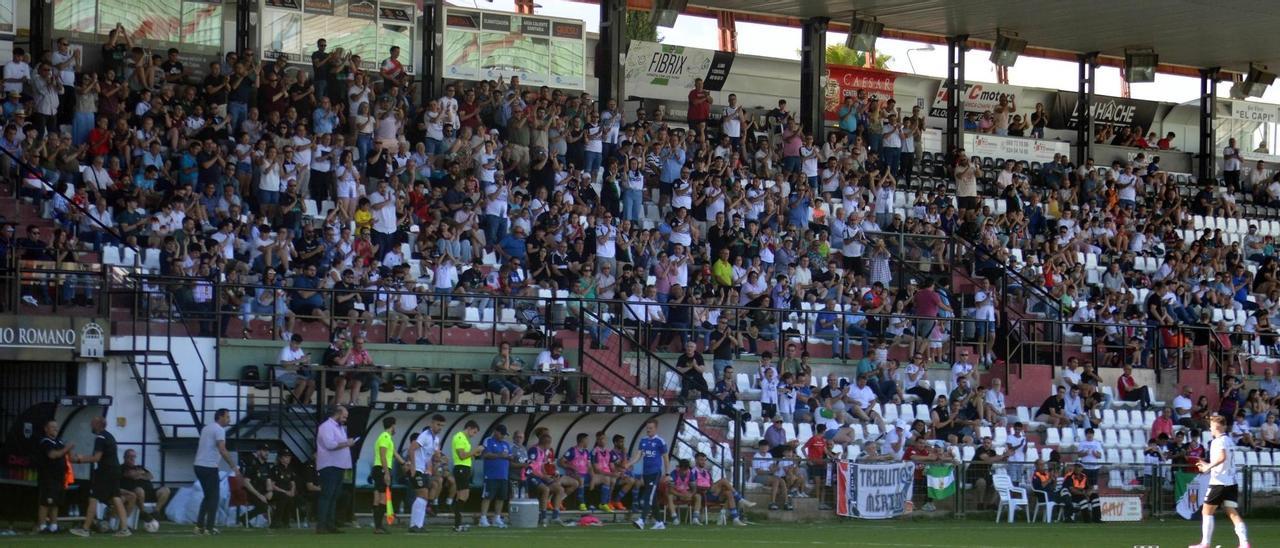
(243, 10)
(727, 23)
(813, 67)
(1208, 103)
(1084, 105)
(612, 46)
(956, 46)
(432, 60)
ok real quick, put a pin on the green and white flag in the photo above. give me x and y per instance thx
(941, 479)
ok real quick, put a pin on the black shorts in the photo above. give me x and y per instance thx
(497, 489)
(421, 481)
(104, 487)
(462, 477)
(968, 202)
(51, 492)
(379, 483)
(817, 472)
(1222, 495)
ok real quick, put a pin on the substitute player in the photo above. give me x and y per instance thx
(421, 453)
(1223, 490)
(655, 463)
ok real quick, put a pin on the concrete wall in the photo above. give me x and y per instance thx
(235, 354)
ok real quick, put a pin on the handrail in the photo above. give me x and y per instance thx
(26, 167)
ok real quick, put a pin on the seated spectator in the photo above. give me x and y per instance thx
(767, 471)
(1129, 390)
(980, 470)
(506, 382)
(1083, 494)
(292, 372)
(139, 480)
(1051, 412)
(1163, 424)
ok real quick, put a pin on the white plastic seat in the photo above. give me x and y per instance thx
(1012, 498)
(111, 255)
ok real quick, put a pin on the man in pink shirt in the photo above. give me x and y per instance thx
(333, 459)
(1163, 424)
(927, 303)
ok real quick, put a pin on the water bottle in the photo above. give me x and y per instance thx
(723, 517)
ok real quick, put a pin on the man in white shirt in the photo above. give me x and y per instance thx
(422, 451)
(1182, 406)
(66, 62)
(289, 373)
(383, 203)
(864, 401)
(16, 72)
(1090, 453)
(963, 368)
(731, 122)
(606, 242)
(1231, 164)
(1070, 377)
(766, 471)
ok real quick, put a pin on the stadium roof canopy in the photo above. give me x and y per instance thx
(1186, 34)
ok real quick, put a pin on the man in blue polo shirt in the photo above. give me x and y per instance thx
(653, 451)
(497, 456)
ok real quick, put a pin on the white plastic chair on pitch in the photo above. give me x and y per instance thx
(1011, 498)
(1045, 502)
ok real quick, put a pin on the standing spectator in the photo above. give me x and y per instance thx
(699, 107)
(1231, 165)
(47, 88)
(691, 369)
(333, 459)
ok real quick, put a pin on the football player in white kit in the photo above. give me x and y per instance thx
(421, 453)
(1223, 490)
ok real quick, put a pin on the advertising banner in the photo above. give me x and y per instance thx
(1121, 508)
(318, 7)
(978, 97)
(1255, 112)
(362, 9)
(874, 491)
(660, 71)
(1113, 111)
(844, 81)
(1014, 148)
(484, 45)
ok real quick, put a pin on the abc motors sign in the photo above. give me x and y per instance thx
(51, 338)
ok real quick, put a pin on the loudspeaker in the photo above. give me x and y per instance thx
(863, 34)
(1140, 66)
(1006, 50)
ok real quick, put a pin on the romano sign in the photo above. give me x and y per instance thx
(52, 338)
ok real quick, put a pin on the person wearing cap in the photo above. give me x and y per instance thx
(257, 470)
(498, 457)
(284, 491)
